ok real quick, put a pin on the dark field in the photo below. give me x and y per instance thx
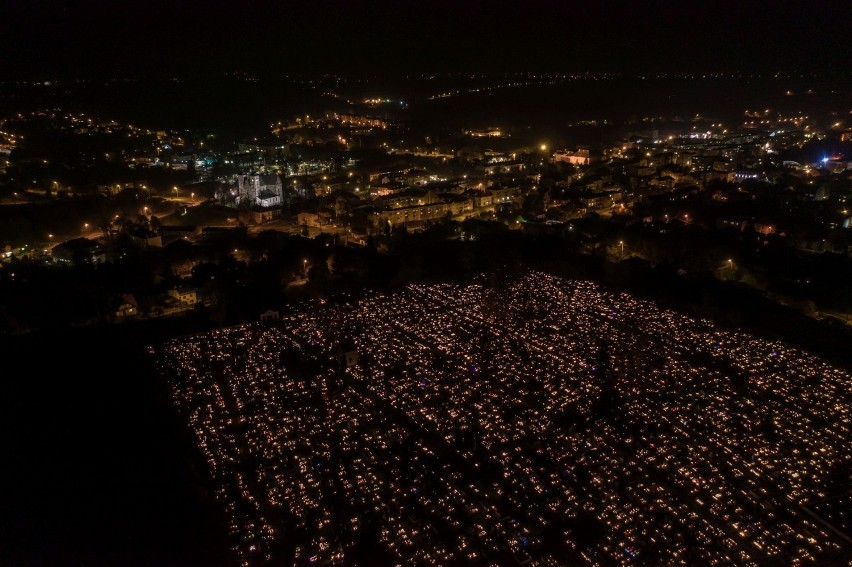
(96, 469)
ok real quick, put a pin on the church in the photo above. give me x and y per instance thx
(255, 189)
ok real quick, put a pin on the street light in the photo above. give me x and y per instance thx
(305, 267)
(730, 268)
(621, 242)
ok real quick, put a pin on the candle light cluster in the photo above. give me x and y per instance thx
(543, 421)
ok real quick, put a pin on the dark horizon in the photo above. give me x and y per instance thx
(66, 39)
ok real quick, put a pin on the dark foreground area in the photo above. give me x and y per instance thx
(95, 467)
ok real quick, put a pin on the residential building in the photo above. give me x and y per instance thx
(184, 295)
(580, 157)
(78, 251)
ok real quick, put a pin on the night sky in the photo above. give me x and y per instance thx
(55, 38)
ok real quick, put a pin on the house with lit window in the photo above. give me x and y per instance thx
(186, 296)
(124, 307)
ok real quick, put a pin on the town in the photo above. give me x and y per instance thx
(760, 202)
